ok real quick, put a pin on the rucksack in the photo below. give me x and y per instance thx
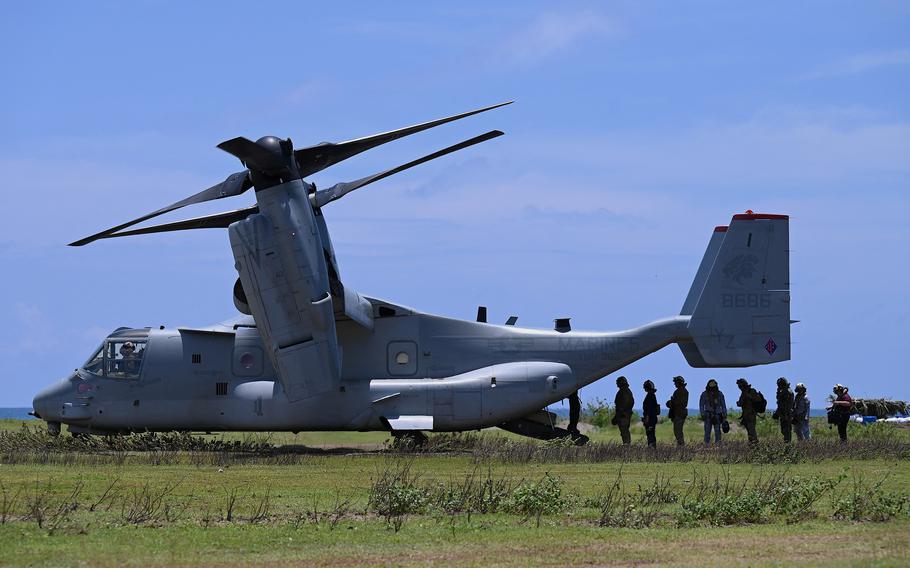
(761, 404)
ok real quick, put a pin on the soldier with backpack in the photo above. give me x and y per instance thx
(752, 403)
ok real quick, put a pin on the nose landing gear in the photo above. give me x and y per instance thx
(53, 428)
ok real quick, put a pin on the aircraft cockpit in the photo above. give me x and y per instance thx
(120, 356)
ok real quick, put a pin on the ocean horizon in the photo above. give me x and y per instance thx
(16, 412)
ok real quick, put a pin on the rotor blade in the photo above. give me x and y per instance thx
(216, 221)
(252, 154)
(235, 184)
(339, 190)
(316, 158)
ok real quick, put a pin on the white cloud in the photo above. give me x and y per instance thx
(551, 33)
(862, 63)
(777, 148)
(578, 193)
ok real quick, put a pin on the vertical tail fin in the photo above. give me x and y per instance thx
(707, 261)
(740, 300)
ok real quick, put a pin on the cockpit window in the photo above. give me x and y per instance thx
(123, 358)
(95, 363)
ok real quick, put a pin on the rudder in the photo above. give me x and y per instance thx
(741, 317)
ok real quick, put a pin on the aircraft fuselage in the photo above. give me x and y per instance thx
(443, 373)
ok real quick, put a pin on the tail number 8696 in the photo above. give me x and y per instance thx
(746, 300)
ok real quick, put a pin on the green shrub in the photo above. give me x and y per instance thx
(749, 506)
(795, 497)
(536, 499)
(395, 493)
(619, 509)
(868, 502)
(598, 414)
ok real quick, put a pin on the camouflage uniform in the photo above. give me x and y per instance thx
(748, 401)
(712, 406)
(678, 405)
(784, 412)
(650, 410)
(801, 413)
(624, 402)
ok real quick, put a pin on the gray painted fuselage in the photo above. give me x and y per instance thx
(463, 374)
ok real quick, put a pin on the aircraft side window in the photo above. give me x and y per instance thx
(123, 359)
(95, 363)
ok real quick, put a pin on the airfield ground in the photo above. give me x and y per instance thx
(345, 499)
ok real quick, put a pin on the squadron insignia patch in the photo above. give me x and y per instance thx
(770, 347)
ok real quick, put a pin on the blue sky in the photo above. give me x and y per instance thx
(638, 127)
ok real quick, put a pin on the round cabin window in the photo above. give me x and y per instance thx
(402, 358)
(247, 360)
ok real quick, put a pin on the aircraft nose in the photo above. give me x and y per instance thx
(49, 402)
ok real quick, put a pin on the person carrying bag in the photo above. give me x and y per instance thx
(713, 410)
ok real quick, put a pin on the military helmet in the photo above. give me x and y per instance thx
(649, 385)
(742, 382)
(679, 381)
(711, 384)
(800, 387)
(622, 381)
(783, 382)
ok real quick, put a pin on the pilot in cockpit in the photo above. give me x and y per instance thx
(131, 357)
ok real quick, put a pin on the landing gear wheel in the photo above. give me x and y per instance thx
(53, 428)
(409, 440)
(579, 439)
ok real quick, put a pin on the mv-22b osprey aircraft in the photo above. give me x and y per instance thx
(311, 353)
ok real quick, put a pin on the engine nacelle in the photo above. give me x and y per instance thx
(240, 301)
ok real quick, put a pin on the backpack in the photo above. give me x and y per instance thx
(760, 404)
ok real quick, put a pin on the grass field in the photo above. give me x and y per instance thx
(694, 431)
(495, 500)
